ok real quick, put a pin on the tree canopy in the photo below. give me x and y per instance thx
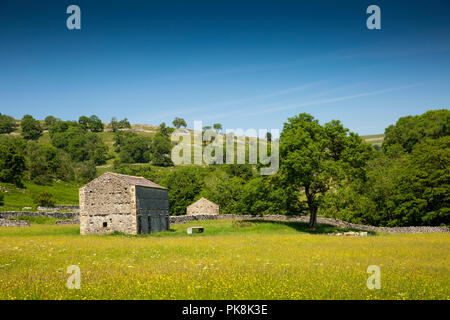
(410, 130)
(313, 157)
(12, 159)
(7, 124)
(31, 128)
(179, 122)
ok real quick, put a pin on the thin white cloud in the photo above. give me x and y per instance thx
(336, 99)
(274, 108)
(236, 101)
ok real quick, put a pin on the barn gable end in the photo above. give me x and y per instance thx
(202, 207)
(128, 204)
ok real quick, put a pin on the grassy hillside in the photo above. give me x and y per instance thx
(16, 198)
(257, 261)
(374, 139)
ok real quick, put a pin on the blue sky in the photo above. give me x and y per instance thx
(245, 64)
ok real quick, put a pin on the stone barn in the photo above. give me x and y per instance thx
(202, 207)
(128, 204)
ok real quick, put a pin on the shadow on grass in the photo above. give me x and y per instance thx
(246, 226)
(303, 227)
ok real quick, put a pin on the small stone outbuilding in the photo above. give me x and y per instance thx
(128, 204)
(202, 207)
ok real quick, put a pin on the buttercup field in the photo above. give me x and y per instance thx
(261, 260)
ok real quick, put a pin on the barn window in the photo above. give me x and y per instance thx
(105, 224)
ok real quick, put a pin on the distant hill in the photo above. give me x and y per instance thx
(374, 139)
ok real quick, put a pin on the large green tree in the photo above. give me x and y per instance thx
(95, 124)
(314, 157)
(50, 121)
(179, 122)
(31, 128)
(161, 147)
(12, 159)
(132, 148)
(7, 124)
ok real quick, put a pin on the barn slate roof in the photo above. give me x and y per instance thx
(134, 180)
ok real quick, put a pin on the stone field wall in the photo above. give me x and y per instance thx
(68, 221)
(60, 208)
(13, 223)
(72, 218)
(57, 215)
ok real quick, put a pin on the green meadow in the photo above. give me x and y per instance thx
(231, 260)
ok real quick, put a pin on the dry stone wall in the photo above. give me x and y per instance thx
(73, 218)
(69, 221)
(13, 223)
(60, 208)
(56, 215)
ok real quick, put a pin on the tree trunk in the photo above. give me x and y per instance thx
(312, 209)
(313, 217)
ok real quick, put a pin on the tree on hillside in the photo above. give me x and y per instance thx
(83, 121)
(313, 157)
(132, 148)
(161, 147)
(12, 160)
(269, 136)
(160, 151)
(179, 122)
(45, 162)
(50, 121)
(217, 127)
(164, 130)
(95, 124)
(31, 128)
(7, 124)
(114, 124)
(85, 171)
(82, 145)
(124, 124)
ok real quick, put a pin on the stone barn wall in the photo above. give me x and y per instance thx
(107, 204)
(152, 209)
